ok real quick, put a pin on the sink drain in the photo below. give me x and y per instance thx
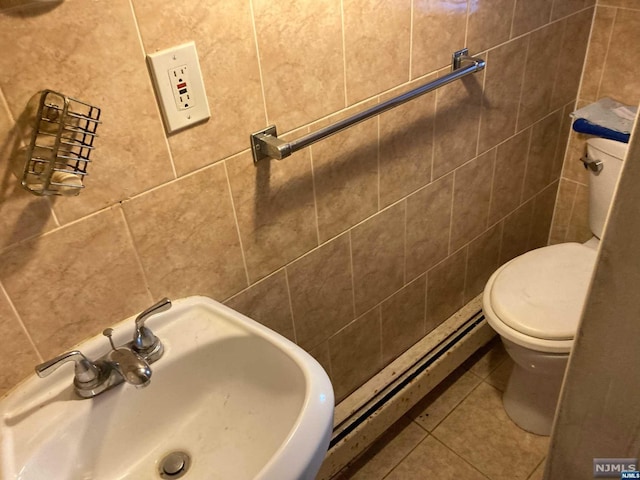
(174, 465)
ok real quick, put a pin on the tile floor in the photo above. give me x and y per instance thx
(459, 430)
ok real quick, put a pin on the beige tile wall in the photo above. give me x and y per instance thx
(354, 248)
(608, 73)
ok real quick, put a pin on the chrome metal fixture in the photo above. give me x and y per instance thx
(595, 166)
(145, 343)
(127, 363)
(266, 144)
(129, 366)
(62, 134)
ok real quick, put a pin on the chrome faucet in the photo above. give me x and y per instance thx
(127, 363)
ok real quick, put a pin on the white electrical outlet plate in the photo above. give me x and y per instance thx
(178, 82)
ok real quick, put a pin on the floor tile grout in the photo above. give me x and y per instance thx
(536, 467)
(430, 432)
(489, 357)
(453, 409)
(475, 467)
(408, 453)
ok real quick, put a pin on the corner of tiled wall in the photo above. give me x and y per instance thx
(607, 73)
(353, 248)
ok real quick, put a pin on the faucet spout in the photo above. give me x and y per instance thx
(131, 366)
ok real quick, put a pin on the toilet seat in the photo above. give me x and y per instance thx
(536, 299)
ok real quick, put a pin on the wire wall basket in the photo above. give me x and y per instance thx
(64, 130)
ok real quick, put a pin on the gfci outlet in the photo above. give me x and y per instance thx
(181, 87)
(178, 82)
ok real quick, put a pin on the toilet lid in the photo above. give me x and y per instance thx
(541, 293)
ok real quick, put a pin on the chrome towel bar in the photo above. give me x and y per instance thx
(266, 144)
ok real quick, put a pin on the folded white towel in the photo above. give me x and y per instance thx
(609, 114)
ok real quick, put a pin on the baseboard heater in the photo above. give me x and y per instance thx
(373, 408)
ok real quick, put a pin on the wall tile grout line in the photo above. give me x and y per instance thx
(404, 244)
(466, 23)
(57, 229)
(453, 196)
(526, 166)
(426, 300)
(559, 67)
(553, 9)
(484, 89)
(538, 28)
(378, 160)
(606, 55)
(21, 322)
(380, 338)
(571, 180)
(500, 249)
(466, 272)
(293, 319)
(586, 56)
(353, 277)
(513, 18)
(411, 22)
(522, 79)
(433, 136)
(258, 58)
(558, 144)
(573, 105)
(237, 222)
(182, 177)
(151, 87)
(5, 104)
(550, 17)
(137, 27)
(315, 196)
(56, 220)
(136, 254)
(493, 179)
(344, 54)
(257, 282)
(573, 206)
(531, 218)
(619, 7)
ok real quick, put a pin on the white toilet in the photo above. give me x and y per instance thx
(534, 302)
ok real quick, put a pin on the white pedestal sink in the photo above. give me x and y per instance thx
(239, 400)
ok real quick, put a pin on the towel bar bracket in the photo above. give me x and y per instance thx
(460, 56)
(266, 144)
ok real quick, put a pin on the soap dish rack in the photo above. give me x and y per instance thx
(61, 142)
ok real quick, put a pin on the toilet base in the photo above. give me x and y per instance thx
(530, 399)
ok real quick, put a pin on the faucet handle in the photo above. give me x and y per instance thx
(144, 341)
(161, 306)
(85, 371)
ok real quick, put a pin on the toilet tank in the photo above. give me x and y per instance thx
(602, 184)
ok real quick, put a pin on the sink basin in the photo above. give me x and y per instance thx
(241, 401)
